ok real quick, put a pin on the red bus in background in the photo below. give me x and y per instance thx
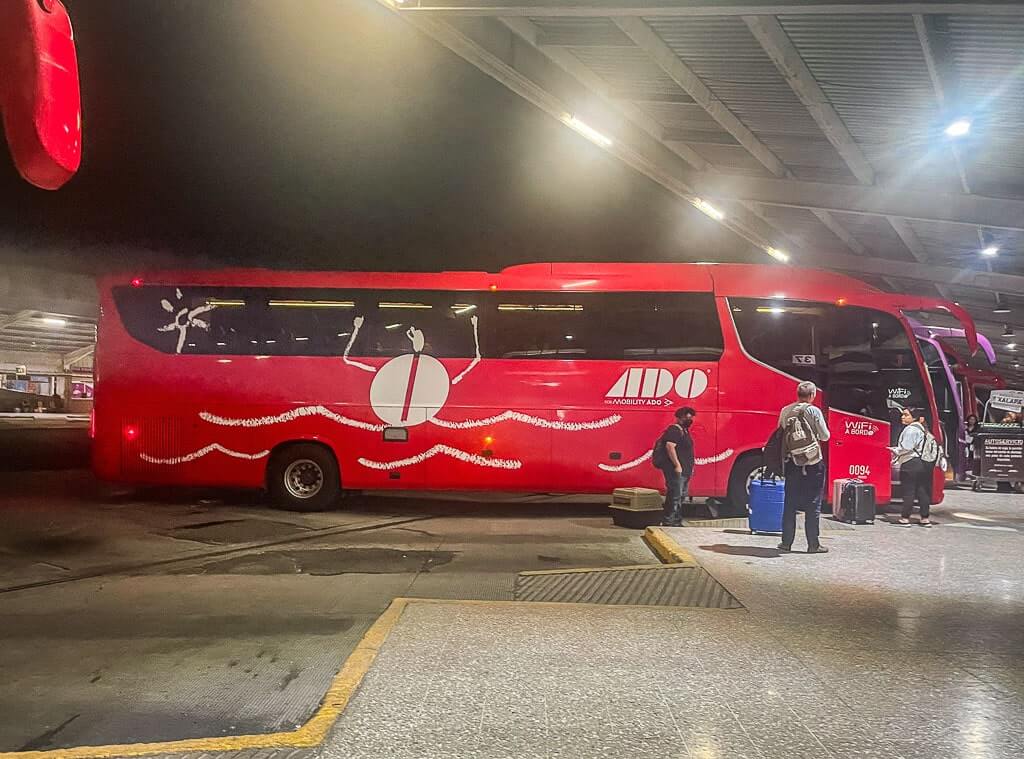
(543, 377)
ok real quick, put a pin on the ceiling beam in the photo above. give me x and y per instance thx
(666, 59)
(675, 98)
(1012, 284)
(776, 43)
(909, 237)
(884, 200)
(572, 66)
(73, 357)
(684, 8)
(16, 318)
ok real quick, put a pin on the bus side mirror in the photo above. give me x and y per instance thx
(39, 91)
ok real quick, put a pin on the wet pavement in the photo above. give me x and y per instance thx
(146, 616)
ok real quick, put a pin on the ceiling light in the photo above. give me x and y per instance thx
(990, 251)
(1007, 332)
(958, 128)
(54, 322)
(1011, 346)
(704, 207)
(1001, 310)
(586, 130)
(777, 254)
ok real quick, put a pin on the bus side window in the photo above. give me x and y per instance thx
(619, 326)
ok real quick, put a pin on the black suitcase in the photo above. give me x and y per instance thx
(857, 504)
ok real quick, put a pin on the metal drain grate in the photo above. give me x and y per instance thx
(741, 523)
(656, 585)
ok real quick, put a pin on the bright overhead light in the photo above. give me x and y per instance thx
(777, 254)
(587, 131)
(1001, 310)
(990, 251)
(958, 128)
(54, 322)
(1011, 346)
(704, 207)
(1007, 331)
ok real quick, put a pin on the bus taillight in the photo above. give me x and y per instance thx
(131, 432)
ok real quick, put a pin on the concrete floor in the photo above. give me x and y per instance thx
(899, 643)
(148, 616)
(217, 618)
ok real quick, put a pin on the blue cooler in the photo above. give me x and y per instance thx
(767, 499)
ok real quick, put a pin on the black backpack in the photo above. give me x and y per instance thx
(659, 454)
(774, 459)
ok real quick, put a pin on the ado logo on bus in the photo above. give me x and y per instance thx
(640, 386)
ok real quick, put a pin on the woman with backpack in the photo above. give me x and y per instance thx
(915, 471)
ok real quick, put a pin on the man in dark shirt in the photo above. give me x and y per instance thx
(678, 467)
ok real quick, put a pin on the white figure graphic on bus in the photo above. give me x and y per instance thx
(184, 318)
(412, 388)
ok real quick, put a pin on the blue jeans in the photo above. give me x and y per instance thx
(803, 493)
(675, 491)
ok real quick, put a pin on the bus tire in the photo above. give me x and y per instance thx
(738, 495)
(304, 477)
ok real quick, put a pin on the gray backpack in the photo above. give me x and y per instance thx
(799, 443)
(928, 450)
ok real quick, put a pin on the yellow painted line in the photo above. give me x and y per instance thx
(310, 734)
(667, 549)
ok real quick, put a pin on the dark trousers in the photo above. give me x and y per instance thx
(916, 479)
(675, 491)
(803, 493)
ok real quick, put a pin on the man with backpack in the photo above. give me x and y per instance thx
(673, 455)
(917, 454)
(803, 431)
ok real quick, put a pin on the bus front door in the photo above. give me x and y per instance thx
(858, 450)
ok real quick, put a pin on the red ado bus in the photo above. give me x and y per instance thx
(543, 377)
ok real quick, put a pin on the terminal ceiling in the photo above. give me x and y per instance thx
(817, 129)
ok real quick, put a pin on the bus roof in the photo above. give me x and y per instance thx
(741, 280)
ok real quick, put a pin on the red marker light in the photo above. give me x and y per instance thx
(137, 282)
(488, 440)
(131, 432)
(494, 288)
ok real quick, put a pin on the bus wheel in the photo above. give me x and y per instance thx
(304, 477)
(747, 467)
